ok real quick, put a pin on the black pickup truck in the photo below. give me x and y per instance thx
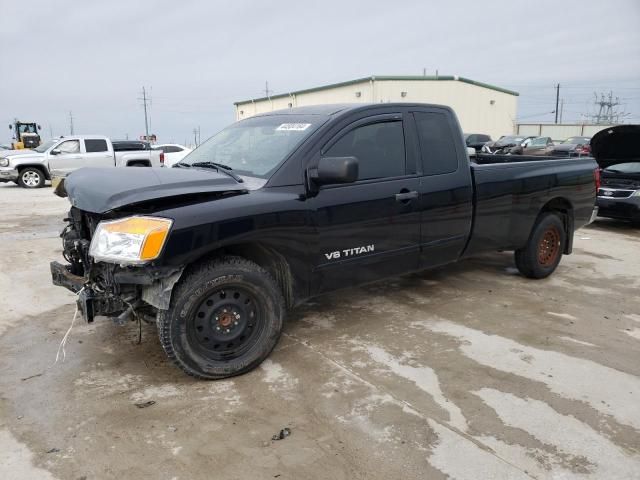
(292, 204)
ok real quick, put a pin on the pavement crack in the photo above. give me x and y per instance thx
(401, 401)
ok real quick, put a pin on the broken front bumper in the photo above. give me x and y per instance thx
(64, 278)
(129, 290)
(90, 303)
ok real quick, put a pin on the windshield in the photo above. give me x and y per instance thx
(539, 141)
(45, 146)
(257, 146)
(577, 140)
(511, 139)
(27, 128)
(631, 167)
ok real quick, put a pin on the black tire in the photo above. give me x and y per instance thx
(31, 177)
(543, 251)
(224, 319)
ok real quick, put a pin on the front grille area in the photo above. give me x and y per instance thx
(614, 193)
(31, 142)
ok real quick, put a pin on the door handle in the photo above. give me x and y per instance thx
(406, 196)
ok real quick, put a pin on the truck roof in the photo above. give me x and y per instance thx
(340, 108)
(80, 137)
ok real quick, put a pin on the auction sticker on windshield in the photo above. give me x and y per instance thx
(297, 127)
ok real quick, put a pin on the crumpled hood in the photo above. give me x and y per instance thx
(99, 190)
(616, 145)
(501, 144)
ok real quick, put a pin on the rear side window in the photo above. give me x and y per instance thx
(379, 148)
(172, 149)
(121, 146)
(95, 145)
(436, 143)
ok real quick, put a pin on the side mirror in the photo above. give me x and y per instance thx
(471, 152)
(55, 151)
(10, 127)
(336, 170)
(39, 127)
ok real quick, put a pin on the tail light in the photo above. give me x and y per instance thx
(583, 149)
(161, 158)
(596, 178)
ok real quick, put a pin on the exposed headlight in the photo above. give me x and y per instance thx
(4, 162)
(131, 240)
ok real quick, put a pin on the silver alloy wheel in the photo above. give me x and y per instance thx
(31, 178)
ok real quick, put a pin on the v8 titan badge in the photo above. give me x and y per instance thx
(349, 252)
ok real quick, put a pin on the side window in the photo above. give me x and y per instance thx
(379, 148)
(172, 149)
(95, 145)
(436, 143)
(70, 146)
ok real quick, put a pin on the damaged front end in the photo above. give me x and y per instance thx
(120, 291)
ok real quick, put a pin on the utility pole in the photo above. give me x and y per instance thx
(145, 100)
(70, 123)
(557, 100)
(195, 136)
(561, 108)
(199, 138)
(267, 92)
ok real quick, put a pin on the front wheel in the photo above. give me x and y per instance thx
(541, 255)
(225, 318)
(31, 177)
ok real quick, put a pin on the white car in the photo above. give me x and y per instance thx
(173, 152)
(60, 156)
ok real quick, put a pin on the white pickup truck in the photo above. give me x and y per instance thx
(60, 156)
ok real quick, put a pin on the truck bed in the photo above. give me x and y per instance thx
(490, 158)
(510, 192)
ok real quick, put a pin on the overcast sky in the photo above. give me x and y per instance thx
(198, 57)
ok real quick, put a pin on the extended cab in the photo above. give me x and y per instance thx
(288, 205)
(60, 156)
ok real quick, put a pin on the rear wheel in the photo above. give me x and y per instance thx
(543, 251)
(224, 319)
(31, 177)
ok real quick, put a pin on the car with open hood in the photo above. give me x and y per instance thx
(617, 151)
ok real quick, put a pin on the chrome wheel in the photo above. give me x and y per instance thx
(31, 178)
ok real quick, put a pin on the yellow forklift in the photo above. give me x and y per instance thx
(25, 135)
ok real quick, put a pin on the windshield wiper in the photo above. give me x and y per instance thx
(182, 165)
(220, 167)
